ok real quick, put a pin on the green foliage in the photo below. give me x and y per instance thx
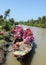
(1, 37)
(4, 22)
(11, 20)
(40, 22)
(6, 13)
(1, 16)
(16, 23)
(7, 26)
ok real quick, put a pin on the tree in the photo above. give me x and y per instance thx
(43, 19)
(16, 23)
(1, 16)
(11, 20)
(7, 26)
(6, 13)
(1, 19)
(39, 19)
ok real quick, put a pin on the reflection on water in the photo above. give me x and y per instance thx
(38, 55)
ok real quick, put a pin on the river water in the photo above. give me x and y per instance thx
(39, 55)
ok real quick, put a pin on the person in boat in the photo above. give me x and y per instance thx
(18, 36)
(18, 33)
(17, 45)
(28, 36)
(21, 34)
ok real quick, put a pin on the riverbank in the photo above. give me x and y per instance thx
(37, 25)
(39, 22)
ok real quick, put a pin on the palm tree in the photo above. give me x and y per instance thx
(6, 13)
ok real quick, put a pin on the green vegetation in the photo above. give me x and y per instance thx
(40, 22)
(6, 24)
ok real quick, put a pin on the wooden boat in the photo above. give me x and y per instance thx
(22, 51)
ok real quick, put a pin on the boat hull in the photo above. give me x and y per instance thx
(21, 57)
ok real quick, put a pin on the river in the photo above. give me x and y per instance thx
(37, 58)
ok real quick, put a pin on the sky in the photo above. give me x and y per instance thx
(23, 10)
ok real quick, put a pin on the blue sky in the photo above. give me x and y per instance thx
(24, 9)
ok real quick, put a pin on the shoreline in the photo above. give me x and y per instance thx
(31, 26)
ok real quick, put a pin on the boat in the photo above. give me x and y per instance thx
(22, 44)
(21, 52)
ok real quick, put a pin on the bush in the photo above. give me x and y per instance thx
(7, 27)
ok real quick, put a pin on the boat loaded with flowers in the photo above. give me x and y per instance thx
(23, 42)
